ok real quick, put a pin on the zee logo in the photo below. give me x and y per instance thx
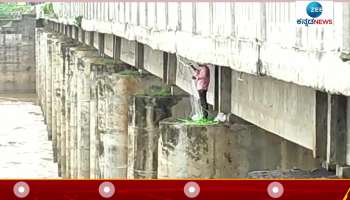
(314, 9)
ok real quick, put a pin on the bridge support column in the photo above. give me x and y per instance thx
(336, 130)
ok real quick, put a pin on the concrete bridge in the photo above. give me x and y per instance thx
(285, 87)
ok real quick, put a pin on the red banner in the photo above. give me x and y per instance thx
(175, 189)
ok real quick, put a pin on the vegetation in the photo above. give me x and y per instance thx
(78, 20)
(159, 91)
(200, 122)
(48, 10)
(8, 10)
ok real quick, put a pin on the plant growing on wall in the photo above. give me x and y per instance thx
(49, 11)
(78, 20)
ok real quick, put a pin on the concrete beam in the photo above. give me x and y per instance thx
(109, 45)
(153, 60)
(165, 67)
(282, 108)
(139, 55)
(101, 44)
(171, 69)
(65, 30)
(96, 40)
(128, 53)
(116, 47)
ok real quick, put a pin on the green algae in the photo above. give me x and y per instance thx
(199, 122)
(159, 91)
(156, 91)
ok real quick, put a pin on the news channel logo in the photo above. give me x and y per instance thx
(314, 13)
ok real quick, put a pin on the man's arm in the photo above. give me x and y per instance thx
(191, 65)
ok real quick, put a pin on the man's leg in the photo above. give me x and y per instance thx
(204, 104)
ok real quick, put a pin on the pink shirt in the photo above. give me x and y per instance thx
(202, 75)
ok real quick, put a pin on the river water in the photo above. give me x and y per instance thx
(25, 151)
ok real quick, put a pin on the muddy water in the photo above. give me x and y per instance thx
(25, 151)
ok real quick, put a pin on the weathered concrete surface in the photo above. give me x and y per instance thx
(293, 173)
(96, 108)
(221, 151)
(145, 114)
(17, 55)
(59, 99)
(76, 145)
(285, 109)
(83, 111)
(100, 70)
(117, 89)
(128, 53)
(63, 67)
(153, 61)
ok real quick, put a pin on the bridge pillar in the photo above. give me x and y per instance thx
(336, 130)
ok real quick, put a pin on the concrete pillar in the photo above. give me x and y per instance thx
(95, 141)
(79, 112)
(62, 102)
(72, 89)
(190, 151)
(65, 29)
(321, 125)
(343, 171)
(91, 38)
(94, 146)
(44, 63)
(39, 54)
(81, 35)
(53, 110)
(48, 87)
(87, 62)
(83, 121)
(348, 132)
(118, 88)
(336, 130)
(145, 113)
(195, 151)
(100, 68)
(224, 87)
(68, 66)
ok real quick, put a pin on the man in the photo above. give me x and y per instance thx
(202, 77)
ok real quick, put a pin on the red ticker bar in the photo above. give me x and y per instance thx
(175, 189)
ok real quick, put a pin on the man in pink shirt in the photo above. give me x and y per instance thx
(202, 77)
